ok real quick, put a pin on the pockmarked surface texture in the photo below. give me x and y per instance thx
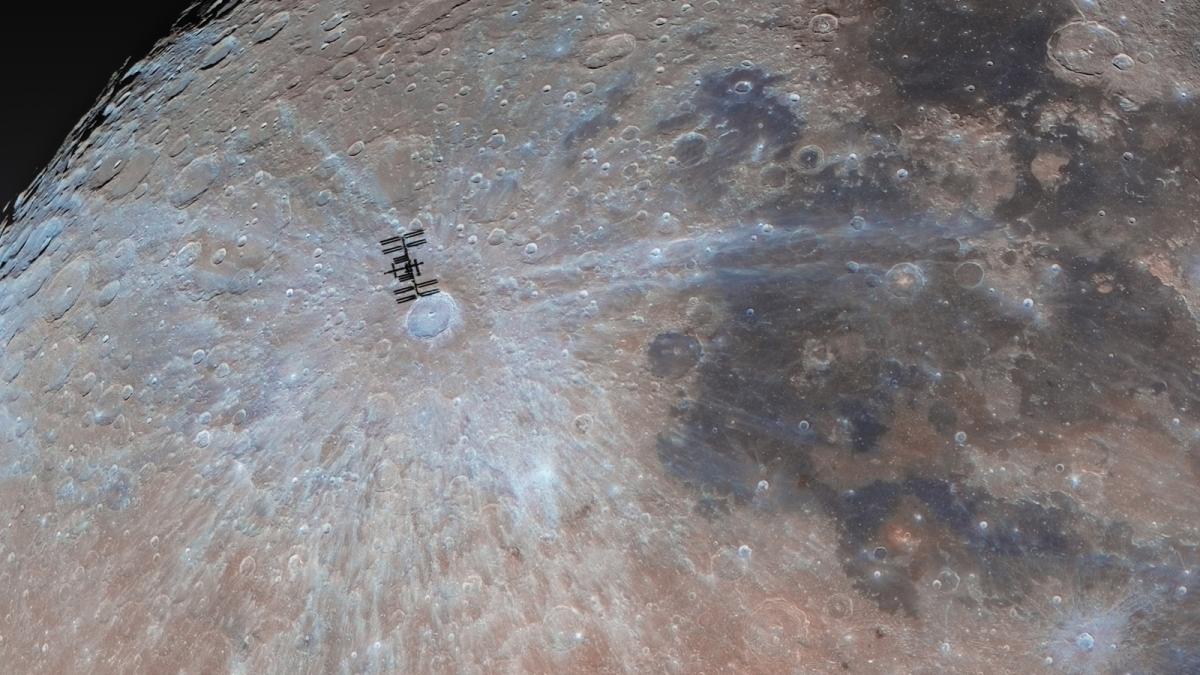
(770, 337)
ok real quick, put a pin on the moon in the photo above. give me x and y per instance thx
(740, 337)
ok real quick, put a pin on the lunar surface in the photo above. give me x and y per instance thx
(852, 336)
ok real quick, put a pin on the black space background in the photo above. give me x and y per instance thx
(54, 63)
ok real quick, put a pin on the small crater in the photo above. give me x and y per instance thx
(690, 149)
(968, 274)
(271, 27)
(431, 316)
(823, 24)
(194, 180)
(811, 159)
(1085, 47)
(904, 280)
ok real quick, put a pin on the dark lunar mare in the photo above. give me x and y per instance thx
(966, 55)
(820, 362)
